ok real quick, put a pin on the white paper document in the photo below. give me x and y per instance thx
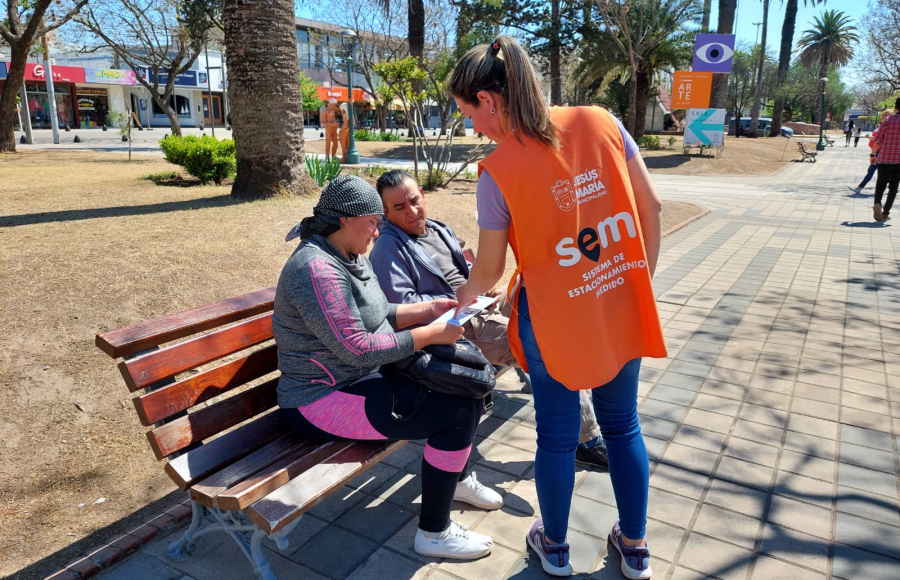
(471, 310)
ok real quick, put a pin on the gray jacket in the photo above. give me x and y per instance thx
(332, 324)
(406, 272)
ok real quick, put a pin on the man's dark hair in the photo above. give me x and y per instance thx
(392, 178)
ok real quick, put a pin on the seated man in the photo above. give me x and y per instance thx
(418, 259)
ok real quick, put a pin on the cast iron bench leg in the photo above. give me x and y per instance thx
(237, 525)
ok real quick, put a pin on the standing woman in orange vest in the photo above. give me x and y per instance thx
(566, 188)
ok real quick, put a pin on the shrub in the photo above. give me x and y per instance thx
(650, 142)
(375, 171)
(163, 177)
(206, 158)
(322, 170)
(388, 136)
(672, 141)
(432, 180)
(370, 135)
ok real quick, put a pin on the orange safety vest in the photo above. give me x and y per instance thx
(578, 244)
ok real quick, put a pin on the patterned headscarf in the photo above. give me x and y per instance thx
(345, 196)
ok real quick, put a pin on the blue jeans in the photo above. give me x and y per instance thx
(870, 172)
(557, 414)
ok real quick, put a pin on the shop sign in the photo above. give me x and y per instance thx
(61, 74)
(690, 90)
(3, 70)
(190, 78)
(88, 91)
(340, 94)
(109, 76)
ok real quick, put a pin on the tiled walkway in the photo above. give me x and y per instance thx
(772, 428)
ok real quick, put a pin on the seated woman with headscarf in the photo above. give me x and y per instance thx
(334, 329)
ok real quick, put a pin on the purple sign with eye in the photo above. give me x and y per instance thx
(713, 53)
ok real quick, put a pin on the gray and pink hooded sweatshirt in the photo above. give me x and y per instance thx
(332, 323)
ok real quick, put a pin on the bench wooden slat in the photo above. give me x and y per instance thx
(168, 362)
(171, 399)
(195, 465)
(137, 337)
(184, 431)
(277, 474)
(295, 497)
(205, 491)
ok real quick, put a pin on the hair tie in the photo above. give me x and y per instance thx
(496, 46)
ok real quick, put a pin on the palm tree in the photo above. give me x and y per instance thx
(784, 58)
(829, 41)
(265, 97)
(757, 96)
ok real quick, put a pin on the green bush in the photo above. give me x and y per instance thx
(322, 170)
(370, 135)
(433, 180)
(206, 158)
(672, 141)
(650, 142)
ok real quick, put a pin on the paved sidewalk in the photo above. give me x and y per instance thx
(772, 428)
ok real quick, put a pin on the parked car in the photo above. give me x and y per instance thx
(764, 125)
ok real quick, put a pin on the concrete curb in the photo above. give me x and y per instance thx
(688, 221)
(118, 547)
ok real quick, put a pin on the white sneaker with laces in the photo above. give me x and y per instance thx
(472, 492)
(456, 542)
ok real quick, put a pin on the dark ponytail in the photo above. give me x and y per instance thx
(503, 67)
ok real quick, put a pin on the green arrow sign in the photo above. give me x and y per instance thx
(699, 125)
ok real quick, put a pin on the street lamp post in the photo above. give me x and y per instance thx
(820, 146)
(352, 153)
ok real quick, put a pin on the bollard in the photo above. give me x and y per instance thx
(77, 139)
(104, 127)
(140, 128)
(124, 137)
(66, 127)
(22, 140)
(321, 135)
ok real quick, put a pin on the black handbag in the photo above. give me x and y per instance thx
(454, 369)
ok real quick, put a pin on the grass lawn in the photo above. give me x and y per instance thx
(87, 246)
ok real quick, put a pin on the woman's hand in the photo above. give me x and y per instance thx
(465, 295)
(440, 306)
(439, 333)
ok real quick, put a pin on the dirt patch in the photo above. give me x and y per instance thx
(741, 156)
(87, 246)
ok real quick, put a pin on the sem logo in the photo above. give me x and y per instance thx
(564, 195)
(591, 241)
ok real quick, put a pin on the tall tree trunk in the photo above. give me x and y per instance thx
(757, 94)
(707, 8)
(555, 80)
(265, 97)
(643, 97)
(174, 123)
(631, 121)
(416, 16)
(784, 63)
(719, 97)
(14, 79)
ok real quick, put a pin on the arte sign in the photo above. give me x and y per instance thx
(704, 127)
(691, 90)
(61, 74)
(109, 76)
(713, 53)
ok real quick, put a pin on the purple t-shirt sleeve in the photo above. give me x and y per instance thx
(493, 212)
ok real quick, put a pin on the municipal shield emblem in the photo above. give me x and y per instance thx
(564, 195)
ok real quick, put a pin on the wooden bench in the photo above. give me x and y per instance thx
(210, 403)
(808, 154)
(829, 142)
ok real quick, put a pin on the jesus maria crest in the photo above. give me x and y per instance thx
(564, 195)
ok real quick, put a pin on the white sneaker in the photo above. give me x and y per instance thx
(855, 190)
(455, 542)
(472, 492)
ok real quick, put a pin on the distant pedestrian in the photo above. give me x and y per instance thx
(856, 136)
(872, 167)
(887, 156)
(848, 132)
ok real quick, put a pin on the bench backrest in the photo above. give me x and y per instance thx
(227, 356)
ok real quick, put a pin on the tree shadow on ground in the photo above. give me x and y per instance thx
(119, 211)
(666, 161)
